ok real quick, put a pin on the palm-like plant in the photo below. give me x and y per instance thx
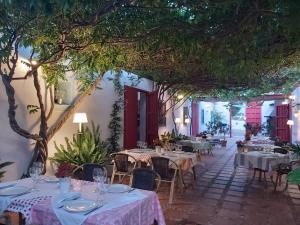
(2, 165)
(86, 147)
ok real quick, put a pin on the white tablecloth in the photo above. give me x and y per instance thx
(260, 147)
(266, 161)
(184, 160)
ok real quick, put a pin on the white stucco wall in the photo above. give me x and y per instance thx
(98, 107)
(13, 147)
(178, 112)
(296, 118)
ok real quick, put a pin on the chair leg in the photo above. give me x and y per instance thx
(112, 177)
(172, 192)
(276, 182)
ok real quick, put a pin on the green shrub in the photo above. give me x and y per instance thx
(2, 165)
(86, 147)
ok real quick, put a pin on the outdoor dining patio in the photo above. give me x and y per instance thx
(138, 112)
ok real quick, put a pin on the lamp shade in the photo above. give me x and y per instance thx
(290, 122)
(80, 118)
(187, 120)
(177, 120)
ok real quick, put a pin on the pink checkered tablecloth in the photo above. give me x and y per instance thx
(38, 210)
(142, 212)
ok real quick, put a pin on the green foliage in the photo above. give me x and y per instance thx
(32, 109)
(115, 123)
(2, 165)
(86, 147)
(295, 148)
(215, 125)
(215, 48)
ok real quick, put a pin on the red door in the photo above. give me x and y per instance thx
(195, 118)
(152, 116)
(130, 117)
(282, 116)
(253, 113)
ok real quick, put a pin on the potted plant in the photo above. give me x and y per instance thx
(223, 129)
(86, 147)
(295, 149)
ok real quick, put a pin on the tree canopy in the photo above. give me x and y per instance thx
(197, 46)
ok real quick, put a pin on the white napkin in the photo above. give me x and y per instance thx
(7, 185)
(58, 200)
(111, 200)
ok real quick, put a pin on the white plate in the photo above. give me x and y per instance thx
(12, 191)
(79, 205)
(118, 188)
(50, 179)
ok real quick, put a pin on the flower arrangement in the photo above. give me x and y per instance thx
(65, 170)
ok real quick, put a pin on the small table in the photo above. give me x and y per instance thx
(198, 146)
(260, 147)
(265, 161)
(184, 160)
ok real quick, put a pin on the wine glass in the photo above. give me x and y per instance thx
(99, 176)
(34, 173)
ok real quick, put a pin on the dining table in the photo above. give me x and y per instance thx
(198, 145)
(184, 160)
(81, 204)
(259, 146)
(265, 161)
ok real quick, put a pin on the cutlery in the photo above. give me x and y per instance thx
(67, 199)
(131, 190)
(7, 186)
(92, 210)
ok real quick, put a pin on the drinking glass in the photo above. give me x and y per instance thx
(99, 176)
(34, 173)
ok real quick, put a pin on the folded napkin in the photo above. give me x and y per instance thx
(58, 200)
(111, 201)
(6, 185)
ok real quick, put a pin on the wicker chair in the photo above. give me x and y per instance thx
(168, 170)
(88, 170)
(124, 164)
(146, 179)
(284, 169)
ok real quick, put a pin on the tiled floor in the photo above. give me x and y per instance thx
(224, 196)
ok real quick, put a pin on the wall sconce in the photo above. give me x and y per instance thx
(80, 118)
(180, 97)
(177, 120)
(292, 97)
(187, 121)
(290, 123)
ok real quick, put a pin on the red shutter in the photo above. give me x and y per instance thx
(253, 113)
(152, 116)
(195, 118)
(130, 117)
(282, 116)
